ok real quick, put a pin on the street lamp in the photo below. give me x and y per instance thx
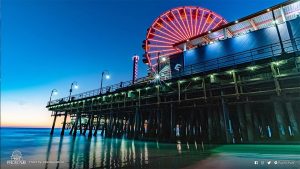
(71, 88)
(105, 74)
(53, 92)
(163, 59)
(157, 76)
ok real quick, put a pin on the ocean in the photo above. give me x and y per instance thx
(34, 148)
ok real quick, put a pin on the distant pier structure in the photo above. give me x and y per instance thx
(210, 81)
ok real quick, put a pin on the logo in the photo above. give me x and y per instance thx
(177, 67)
(16, 158)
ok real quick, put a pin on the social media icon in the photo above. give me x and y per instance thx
(255, 162)
(262, 162)
(269, 162)
(275, 162)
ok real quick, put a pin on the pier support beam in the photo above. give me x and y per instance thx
(116, 128)
(222, 125)
(226, 120)
(292, 119)
(150, 125)
(137, 120)
(279, 114)
(104, 125)
(122, 128)
(217, 131)
(76, 124)
(172, 121)
(249, 123)
(91, 125)
(129, 125)
(72, 128)
(276, 82)
(197, 126)
(80, 124)
(157, 123)
(210, 124)
(97, 125)
(263, 125)
(256, 125)
(64, 124)
(132, 118)
(87, 125)
(53, 125)
(242, 123)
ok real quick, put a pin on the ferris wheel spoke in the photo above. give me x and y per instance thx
(161, 46)
(176, 34)
(209, 25)
(154, 65)
(218, 24)
(187, 22)
(163, 37)
(170, 36)
(160, 41)
(168, 54)
(204, 25)
(191, 21)
(176, 27)
(200, 23)
(196, 22)
(159, 51)
(183, 23)
(163, 53)
(177, 21)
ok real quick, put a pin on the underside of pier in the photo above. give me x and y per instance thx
(254, 102)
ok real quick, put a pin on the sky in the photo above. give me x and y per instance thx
(47, 44)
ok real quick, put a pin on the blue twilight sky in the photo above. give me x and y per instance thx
(47, 44)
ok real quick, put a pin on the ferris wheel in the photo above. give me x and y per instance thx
(177, 25)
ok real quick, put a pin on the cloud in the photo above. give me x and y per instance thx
(21, 103)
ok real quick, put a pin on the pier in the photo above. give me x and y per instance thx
(242, 96)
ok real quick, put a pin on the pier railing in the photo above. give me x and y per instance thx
(250, 56)
(104, 90)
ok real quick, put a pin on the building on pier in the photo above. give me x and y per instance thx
(236, 82)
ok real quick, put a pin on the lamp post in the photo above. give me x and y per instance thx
(66, 114)
(160, 60)
(71, 88)
(53, 92)
(107, 76)
(158, 63)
